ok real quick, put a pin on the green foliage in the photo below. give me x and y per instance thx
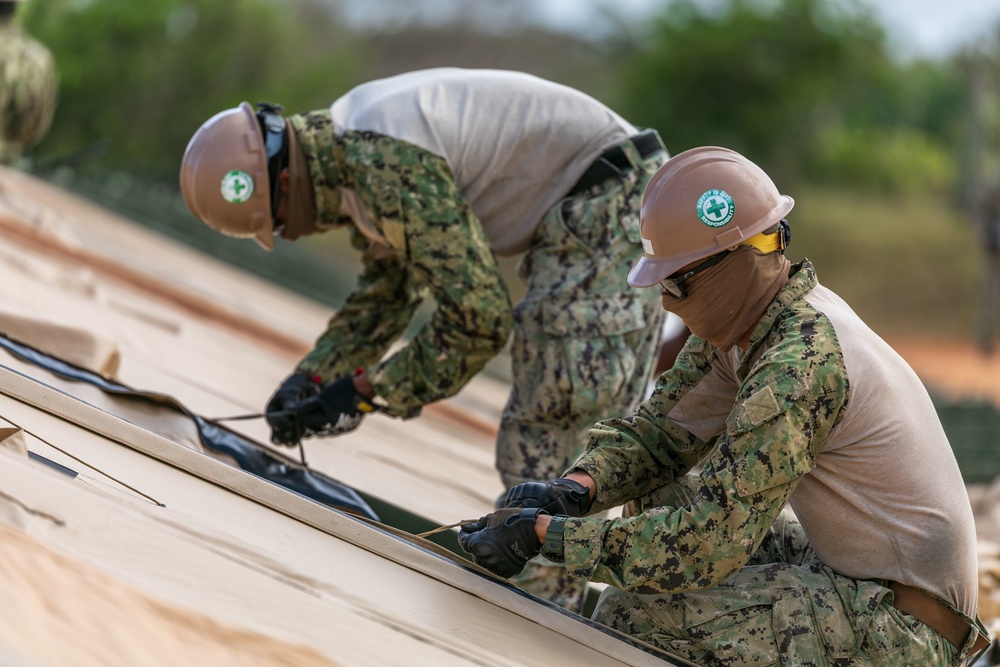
(868, 146)
(806, 88)
(904, 135)
(756, 76)
(892, 159)
(802, 87)
(145, 75)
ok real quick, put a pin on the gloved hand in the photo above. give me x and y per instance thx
(557, 496)
(336, 410)
(280, 410)
(504, 541)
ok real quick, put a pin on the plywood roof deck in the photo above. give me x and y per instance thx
(204, 537)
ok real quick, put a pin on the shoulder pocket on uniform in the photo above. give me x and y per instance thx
(777, 458)
(754, 411)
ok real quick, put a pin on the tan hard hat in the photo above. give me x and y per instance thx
(224, 178)
(699, 203)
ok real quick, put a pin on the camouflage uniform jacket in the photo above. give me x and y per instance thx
(436, 247)
(818, 405)
(27, 92)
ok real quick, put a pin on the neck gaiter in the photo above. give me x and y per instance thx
(724, 302)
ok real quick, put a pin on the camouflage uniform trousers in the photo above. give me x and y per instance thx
(784, 607)
(584, 344)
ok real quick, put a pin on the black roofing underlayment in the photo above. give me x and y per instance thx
(248, 455)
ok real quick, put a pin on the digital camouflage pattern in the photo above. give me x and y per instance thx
(28, 89)
(784, 607)
(438, 249)
(584, 342)
(706, 565)
(788, 401)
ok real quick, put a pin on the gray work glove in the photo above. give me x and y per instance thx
(504, 541)
(557, 496)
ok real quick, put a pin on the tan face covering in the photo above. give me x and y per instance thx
(730, 297)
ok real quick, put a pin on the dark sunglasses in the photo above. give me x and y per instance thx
(674, 285)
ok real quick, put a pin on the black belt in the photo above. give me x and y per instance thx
(613, 162)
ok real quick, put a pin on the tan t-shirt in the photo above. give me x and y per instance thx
(885, 499)
(515, 143)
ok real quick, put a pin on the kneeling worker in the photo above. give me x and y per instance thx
(782, 396)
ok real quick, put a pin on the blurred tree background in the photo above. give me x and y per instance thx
(884, 155)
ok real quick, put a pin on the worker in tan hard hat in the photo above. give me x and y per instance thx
(28, 87)
(436, 173)
(828, 522)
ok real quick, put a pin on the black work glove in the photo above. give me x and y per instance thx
(336, 410)
(558, 496)
(504, 541)
(280, 410)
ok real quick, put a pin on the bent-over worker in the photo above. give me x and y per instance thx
(436, 173)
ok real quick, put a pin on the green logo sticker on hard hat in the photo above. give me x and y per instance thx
(716, 208)
(237, 186)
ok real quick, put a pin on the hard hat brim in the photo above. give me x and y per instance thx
(265, 239)
(649, 272)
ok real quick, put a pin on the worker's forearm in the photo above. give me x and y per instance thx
(542, 520)
(542, 525)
